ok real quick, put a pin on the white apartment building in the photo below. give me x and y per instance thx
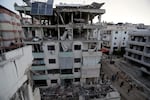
(138, 49)
(14, 74)
(66, 49)
(115, 36)
(15, 60)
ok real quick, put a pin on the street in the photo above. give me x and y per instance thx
(127, 76)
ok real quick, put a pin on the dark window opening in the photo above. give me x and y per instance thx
(40, 72)
(77, 70)
(77, 79)
(77, 47)
(37, 48)
(40, 82)
(116, 32)
(114, 43)
(52, 47)
(54, 81)
(53, 71)
(77, 60)
(115, 37)
(38, 62)
(66, 71)
(115, 48)
(52, 61)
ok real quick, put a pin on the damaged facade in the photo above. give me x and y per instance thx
(66, 48)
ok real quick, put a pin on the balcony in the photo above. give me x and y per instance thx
(40, 77)
(39, 68)
(136, 43)
(38, 55)
(67, 76)
(134, 51)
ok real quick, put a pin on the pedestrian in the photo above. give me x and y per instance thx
(117, 76)
(130, 87)
(122, 83)
(128, 90)
(112, 77)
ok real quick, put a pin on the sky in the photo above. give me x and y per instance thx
(131, 11)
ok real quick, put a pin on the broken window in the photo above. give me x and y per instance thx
(54, 81)
(77, 47)
(37, 48)
(77, 60)
(51, 47)
(52, 61)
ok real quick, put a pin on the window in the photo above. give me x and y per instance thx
(53, 71)
(52, 61)
(104, 36)
(66, 71)
(125, 32)
(116, 32)
(77, 70)
(115, 37)
(122, 43)
(124, 38)
(77, 60)
(40, 82)
(77, 47)
(38, 61)
(54, 81)
(51, 47)
(39, 72)
(77, 79)
(114, 43)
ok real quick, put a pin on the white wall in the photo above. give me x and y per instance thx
(12, 73)
(51, 54)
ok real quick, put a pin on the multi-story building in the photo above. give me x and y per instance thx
(138, 49)
(15, 60)
(115, 36)
(66, 48)
(10, 30)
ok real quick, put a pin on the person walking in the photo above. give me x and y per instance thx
(122, 83)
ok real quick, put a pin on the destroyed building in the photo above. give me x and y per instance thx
(66, 46)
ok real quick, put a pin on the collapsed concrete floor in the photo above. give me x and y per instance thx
(76, 92)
